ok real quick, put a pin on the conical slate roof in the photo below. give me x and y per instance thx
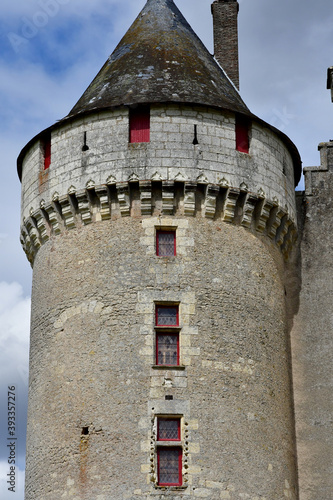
(160, 59)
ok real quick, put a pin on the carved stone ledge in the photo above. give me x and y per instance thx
(151, 197)
(54, 217)
(145, 197)
(189, 198)
(211, 197)
(67, 211)
(33, 232)
(230, 204)
(248, 210)
(84, 206)
(277, 217)
(42, 226)
(124, 199)
(104, 202)
(264, 216)
(168, 195)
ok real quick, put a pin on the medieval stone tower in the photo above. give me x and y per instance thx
(158, 217)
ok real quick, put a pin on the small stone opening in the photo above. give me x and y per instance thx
(195, 140)
(85, 146)
(168, 397)
(85, 431)
(46, 149)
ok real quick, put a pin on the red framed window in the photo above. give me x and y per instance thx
(167, 315)
(169, 465)
(139, 124)
(47, 151)
(242, 134)
(167, 340)
(167, 349)
(165, 243)
(168, 429)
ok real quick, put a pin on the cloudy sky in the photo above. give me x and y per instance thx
(50, 50)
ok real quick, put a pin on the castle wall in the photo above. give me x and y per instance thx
(92, 363)
(89, 226)
(170, 155)
(312, 344)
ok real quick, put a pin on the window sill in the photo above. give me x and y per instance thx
(168, 367)
(138, 145)
(170, 488)
(167, 257)
(247, 153)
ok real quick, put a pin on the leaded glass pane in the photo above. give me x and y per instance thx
(166, 244)
(169, 465)
(168, 429)
(167, 349)
(167, 316)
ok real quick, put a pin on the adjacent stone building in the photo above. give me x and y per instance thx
(312, 343)
(169, 283)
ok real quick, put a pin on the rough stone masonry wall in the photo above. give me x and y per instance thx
(312, 340)
(94, 391)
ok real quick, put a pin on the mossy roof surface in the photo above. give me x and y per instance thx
(160, 59)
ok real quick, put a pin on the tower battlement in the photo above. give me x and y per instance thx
(158, 198)
(190, 165)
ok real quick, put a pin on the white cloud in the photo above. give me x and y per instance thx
(27, 18)
(14, 359)
(52, 7)
(19, 480)
(14, 334)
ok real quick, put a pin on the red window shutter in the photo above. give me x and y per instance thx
(139, 125)
(165, 243)
(167, 349)
(167, 316)
(169, 464)
(47, 152)
(242, 135)
(168, 429)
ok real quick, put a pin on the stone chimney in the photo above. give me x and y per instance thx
(225, 13)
